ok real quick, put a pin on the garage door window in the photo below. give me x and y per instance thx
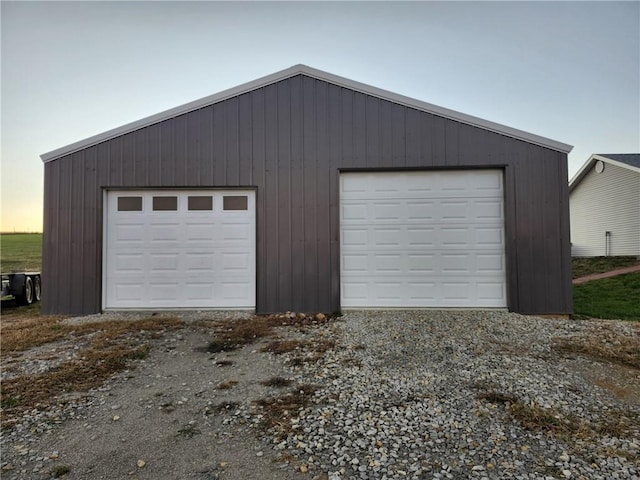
(200, 203)
(165, 203)
(129, 204)
(235, 202)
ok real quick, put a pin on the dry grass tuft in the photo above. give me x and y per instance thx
(535, 418)
(23, 333)
(223, 407)
(619, 424)
(227, 385)
(277, 382)
(604, 344)
(233, 334)
(60, 470)
(279, 347)
(278, 411)
(498, 397)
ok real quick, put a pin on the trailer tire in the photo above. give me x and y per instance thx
(26, 297)
(37, 288)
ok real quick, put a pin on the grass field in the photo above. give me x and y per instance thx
(20, 252)
(616, 297)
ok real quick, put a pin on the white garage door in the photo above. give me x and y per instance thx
(179, 249)
(422, 239)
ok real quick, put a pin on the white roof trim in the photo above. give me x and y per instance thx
(586, 168)
(319, 74)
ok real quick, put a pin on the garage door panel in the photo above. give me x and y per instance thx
(422, 291)
(129, 292)
(196, 256)
(235, 261)
(355, 263)
(164, 291)
(420, 211)
(456, 263)
(489, 237)
(129, 234)
(129, 262)
(388, 290)
(385, 237)
(428, 239)
(166, 263)
(237, 291)
(489, 263)
(355, 291)
(420, 237)
(457, 237)
(355, 211)
(490, 291)
(354, 237)
(420, 263)
(235, 232)
(387, 211)
(200, 261)
(164, 232)
(488, 210)
(388, 263)
(198, 232)
(199, 291)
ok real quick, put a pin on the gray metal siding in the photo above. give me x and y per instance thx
(289, 140)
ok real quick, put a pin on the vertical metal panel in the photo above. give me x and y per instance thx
(244, 139)
(297, 197)
(283, 193)
(270, 197)
(310, 153)
(50, 243)
(289, 140)
(258, 157)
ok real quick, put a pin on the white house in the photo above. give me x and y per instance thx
(604, 202)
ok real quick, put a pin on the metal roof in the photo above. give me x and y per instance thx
(320, 75)
(630, 161)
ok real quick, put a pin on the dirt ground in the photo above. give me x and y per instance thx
(150, 422)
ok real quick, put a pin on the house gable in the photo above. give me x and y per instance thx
(605, 207)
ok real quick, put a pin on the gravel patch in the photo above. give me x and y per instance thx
(403, 394)
(427, 395)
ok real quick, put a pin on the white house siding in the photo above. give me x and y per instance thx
(601, 202)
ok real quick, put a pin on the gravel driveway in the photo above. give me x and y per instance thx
(404, 394)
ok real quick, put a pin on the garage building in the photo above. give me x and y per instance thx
(306, 191)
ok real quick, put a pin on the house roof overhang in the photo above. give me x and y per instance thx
(320, 75)
(586, 168)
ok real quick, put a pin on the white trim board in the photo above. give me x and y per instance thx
(320, 75)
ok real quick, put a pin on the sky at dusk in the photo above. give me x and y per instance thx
(569, 71)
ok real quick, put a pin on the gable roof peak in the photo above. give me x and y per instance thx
(301, 69)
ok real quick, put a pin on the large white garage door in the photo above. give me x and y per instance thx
(179, 249)
(422, 239)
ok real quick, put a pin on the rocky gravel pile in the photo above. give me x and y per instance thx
(446, 394)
